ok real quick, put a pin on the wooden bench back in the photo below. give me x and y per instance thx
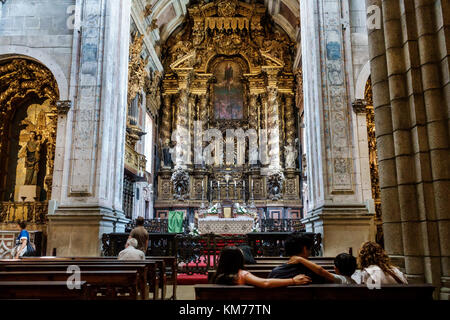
(43, 290)
(103, 284)
(315, 292)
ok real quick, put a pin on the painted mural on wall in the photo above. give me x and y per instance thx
(228, 92)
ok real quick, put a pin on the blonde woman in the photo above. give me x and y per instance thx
(376, 266)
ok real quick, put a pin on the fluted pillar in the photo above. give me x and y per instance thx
(90, 160)
(410, 81)
(335, 206)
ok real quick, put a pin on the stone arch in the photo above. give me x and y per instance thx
(41, 57)
(361, 81)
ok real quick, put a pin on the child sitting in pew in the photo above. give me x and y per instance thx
(344, 266)
(230, 271)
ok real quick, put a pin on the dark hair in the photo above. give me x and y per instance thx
(345, 263)
(295, 243)
(140, 221)
(22, 224)
(231, 260)
(248, 255)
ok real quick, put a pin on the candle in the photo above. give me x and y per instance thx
(235, 183)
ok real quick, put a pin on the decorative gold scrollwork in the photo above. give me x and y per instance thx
(27, 84)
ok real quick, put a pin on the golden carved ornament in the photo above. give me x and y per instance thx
(373, 160)
(136, 68)
(18, 79)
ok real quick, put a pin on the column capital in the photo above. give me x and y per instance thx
(63, 106)
(359, 106)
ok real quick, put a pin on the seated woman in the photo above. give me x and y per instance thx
(344, 266)
(230, 271)
(376, 267)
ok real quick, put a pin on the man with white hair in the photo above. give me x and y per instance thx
(130, 252)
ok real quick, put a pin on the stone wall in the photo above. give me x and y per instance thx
(38, 26)
(411, 95)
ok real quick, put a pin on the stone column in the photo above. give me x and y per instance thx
(192, 117)
(203, 117)
(253, 111)
(273, 123)
(409, 59)
(335, 206)
(89, 160)
(182, 156)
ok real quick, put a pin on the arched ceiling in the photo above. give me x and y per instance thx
(158, 19)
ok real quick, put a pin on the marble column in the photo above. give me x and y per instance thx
(335, 206)
(410, 81)
(253, 111)
(183, 152)
(89, 159)
(273, 123)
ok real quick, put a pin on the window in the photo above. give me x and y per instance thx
(148, 149)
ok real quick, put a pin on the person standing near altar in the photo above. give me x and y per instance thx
(140, 234)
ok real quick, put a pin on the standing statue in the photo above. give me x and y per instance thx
(31, 153)
(290, 154)
(180, 182)
(275, 185)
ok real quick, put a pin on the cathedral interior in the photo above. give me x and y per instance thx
(328, 116)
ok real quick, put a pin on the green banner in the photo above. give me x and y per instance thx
(175, 223)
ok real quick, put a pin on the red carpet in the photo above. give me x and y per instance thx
(196, 278)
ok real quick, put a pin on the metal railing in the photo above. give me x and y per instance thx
(198, 254)
(266, 225)
(33, 212)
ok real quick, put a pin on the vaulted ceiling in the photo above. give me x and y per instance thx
(159, 18)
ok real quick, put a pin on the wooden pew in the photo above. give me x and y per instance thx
(146, 270)
(171, 271)
(215, 292)
(327, 267)
(259, 273)
(103, 284)
(167, 266)
(42, 290)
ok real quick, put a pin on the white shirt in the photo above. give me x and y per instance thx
(131, 253)
(374, 274)
(343, 279)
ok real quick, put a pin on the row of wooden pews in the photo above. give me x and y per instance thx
(99, 278)
(264, 266)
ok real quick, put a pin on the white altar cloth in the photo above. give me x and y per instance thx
(238, 225)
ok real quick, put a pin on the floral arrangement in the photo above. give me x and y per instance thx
(193, 230)
(213, 210)
(241, 210)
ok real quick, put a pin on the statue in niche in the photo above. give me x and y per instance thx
(31, 153)
(290, 154)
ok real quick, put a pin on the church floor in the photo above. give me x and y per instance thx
(183, 292)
